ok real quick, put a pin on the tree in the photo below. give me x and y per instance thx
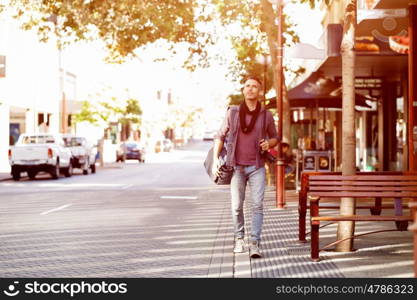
(346, 229)
(127, 115)
(87, 114)
(126, 112)
(259, 36)
(123, 25)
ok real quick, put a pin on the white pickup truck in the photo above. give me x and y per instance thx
(40, 152)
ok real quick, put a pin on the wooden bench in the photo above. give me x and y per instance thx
(360, 187)
(303, 204)
(413, 228)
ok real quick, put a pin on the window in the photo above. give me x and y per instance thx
(74, 141)
(38, 139)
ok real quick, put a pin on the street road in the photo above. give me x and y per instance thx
(157, 219)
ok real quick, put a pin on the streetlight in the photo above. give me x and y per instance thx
(280, 187)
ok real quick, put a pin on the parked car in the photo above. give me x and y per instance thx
(40, 152)
(83, 153)
(130, 150)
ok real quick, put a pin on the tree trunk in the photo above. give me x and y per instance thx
(347, 207)
(268, 18)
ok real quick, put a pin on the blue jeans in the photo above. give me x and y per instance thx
(243, 175)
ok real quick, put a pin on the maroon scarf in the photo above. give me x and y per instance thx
(242, 116)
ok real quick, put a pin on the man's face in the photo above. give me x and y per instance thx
(251, 89)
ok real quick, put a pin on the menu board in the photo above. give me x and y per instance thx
(309, 163)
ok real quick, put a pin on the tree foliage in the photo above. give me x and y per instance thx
(258, 36)
(123, 25)
(314, 2)
(86, 114)
(126, 111)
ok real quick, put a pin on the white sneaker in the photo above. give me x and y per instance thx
(254, 250)
(239, 245)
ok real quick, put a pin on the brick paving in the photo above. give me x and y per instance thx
(135, 233)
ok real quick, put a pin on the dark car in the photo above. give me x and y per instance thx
(130, 150)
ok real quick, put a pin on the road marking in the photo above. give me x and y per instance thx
(179, 197)
(80, 185)
(55, 209)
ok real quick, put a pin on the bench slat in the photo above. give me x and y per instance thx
(363, 188)
(365, 177)
(354, 194)
(372, 173)
(375, 183)
(325, 206)
(362, 218)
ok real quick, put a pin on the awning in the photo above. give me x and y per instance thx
(376, 32)
(393, 4)
(374, 56)
(318, 91)
(394, 66)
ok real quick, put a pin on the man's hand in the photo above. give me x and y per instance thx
(264, 144)
(215, 167)
(218, 145)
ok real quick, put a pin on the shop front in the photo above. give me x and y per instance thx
(381, 74)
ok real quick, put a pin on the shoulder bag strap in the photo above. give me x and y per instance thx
(264, 126)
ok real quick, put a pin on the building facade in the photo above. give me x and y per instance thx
(31, 87)
(381, 77)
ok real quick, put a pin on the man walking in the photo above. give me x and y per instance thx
(242, 135)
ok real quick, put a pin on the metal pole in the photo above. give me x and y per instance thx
(265, 70)
(280, 187)
(63, 98)
(412, 82)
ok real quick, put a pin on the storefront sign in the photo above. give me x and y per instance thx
(324, 163)
(317, 160)
(365, 83)
(309, 163)
(371, 84)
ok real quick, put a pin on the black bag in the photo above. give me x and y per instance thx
(266, 154)
(269, 157)
(226, 172)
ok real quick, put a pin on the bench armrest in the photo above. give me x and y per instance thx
(314, 205)
(313, 198)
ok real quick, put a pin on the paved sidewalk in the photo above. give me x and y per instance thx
(388, 254)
